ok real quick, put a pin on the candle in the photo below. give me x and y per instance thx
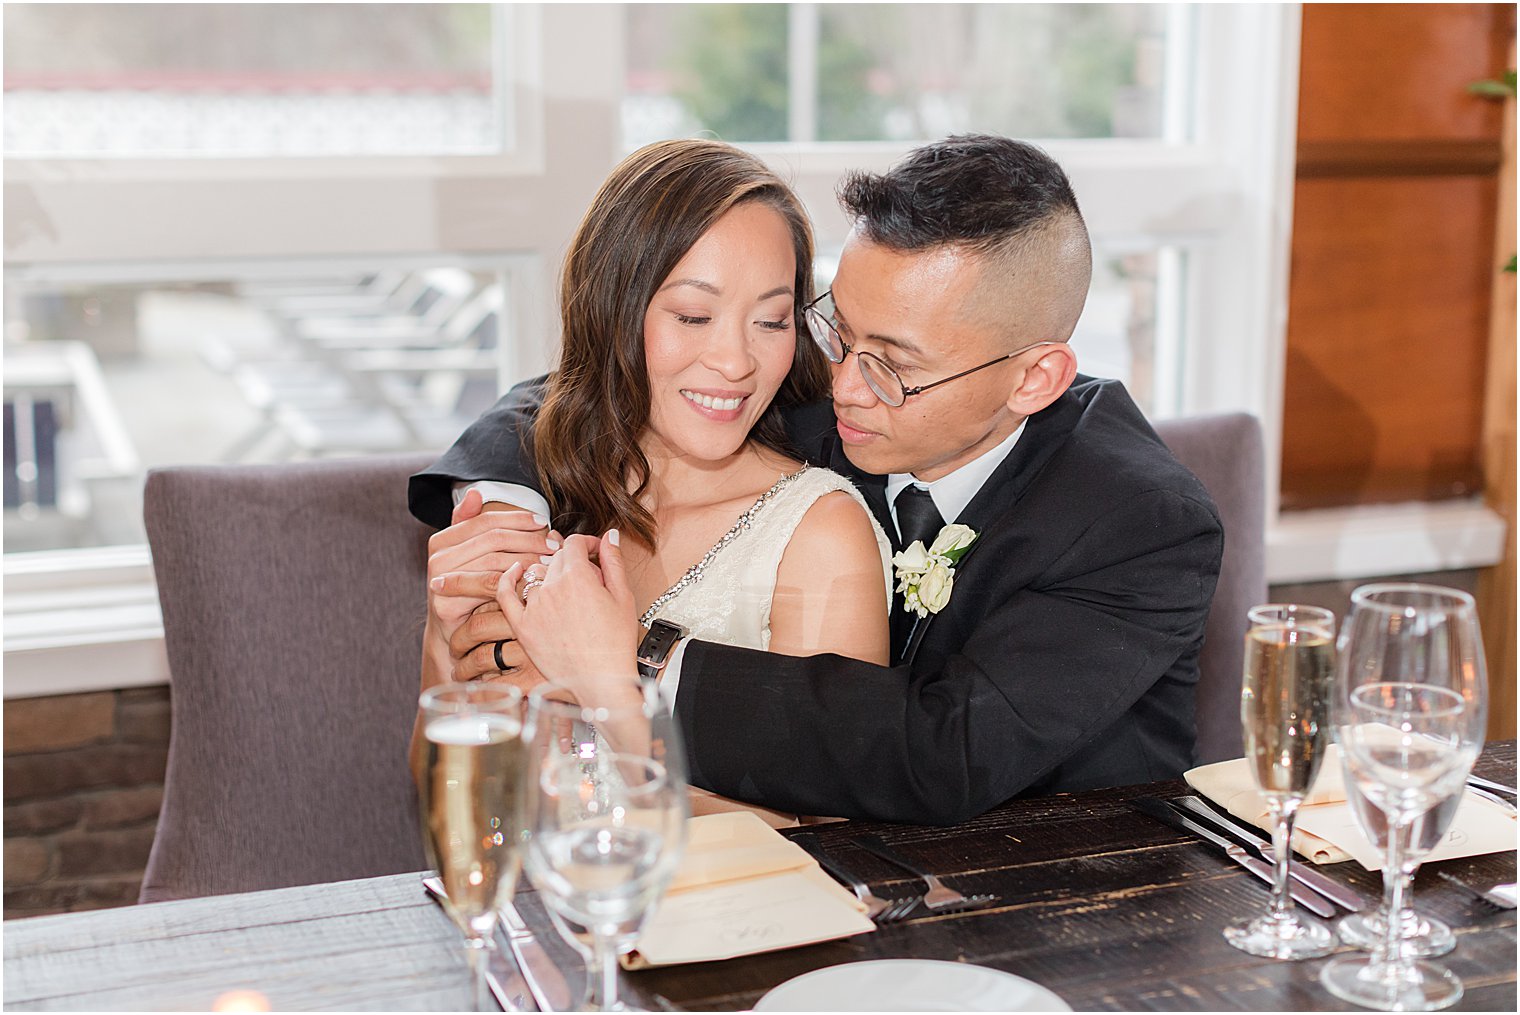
(241, 1000)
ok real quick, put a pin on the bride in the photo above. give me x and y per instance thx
(660, 429)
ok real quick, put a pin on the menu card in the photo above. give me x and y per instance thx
(1326, 830)
(743, 888)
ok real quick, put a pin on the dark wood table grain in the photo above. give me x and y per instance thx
(1112, 911)
(1104, 906)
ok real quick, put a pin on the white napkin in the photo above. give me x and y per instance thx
(743, 888)
(1327, 832)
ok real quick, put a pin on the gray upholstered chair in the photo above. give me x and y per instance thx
(293, 600)
(1225, 453)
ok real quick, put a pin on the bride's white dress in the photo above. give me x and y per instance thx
(726, 596)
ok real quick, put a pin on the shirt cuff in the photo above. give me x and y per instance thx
(524, 497)
(670, 676)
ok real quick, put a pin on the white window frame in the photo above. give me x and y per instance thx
(75, 618)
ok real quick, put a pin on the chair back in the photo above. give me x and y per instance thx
(293, 603)
(1225, 453)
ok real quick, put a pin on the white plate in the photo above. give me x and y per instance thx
(910, 985)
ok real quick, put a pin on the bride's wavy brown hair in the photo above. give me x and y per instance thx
(656, 204)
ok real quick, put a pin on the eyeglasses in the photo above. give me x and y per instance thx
(880, 378)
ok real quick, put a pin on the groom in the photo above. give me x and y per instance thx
(1065, 655)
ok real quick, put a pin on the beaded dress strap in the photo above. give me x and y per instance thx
(694, 573)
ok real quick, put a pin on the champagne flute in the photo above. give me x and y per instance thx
(608, 821)
(1406, 636)
(471, 795)
(1376, 609)
(1284, 708)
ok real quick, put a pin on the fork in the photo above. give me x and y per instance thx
(940, 897)
(1499, 896)
(878, 909)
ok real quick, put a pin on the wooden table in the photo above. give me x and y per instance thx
(1107, 908)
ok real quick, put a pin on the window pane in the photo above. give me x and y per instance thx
(249, 79)
(917, 71)
(104, 380)
(896, 72)
(713, 67)
(1126, 331)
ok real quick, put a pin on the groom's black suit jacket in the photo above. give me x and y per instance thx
(1067, 657)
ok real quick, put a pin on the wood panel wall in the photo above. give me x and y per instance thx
(1393, 252)
(1496, 585)
(1400, 377)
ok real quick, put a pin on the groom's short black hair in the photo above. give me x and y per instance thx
(977, 191)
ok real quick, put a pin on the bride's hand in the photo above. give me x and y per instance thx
(578, 625)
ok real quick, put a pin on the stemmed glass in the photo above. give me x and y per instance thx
(1412, 695)
(1374, 607)
(1284, 708)
(471, 798)
(608, 821)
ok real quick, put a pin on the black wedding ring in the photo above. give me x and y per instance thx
(501, 664)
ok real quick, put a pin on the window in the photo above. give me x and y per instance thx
(1157, 111)
(899, 72)
(218, 80)
(178, 364)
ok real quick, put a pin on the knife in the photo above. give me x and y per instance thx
(1482, 783)
(1334, 891)
(509, 987)
(545, 981)
(1158, 809)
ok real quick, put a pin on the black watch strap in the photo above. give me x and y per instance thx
(654, 651)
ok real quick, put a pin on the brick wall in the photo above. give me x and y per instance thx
(84, 777)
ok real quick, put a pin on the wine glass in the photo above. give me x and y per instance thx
(1374, 609)
(471, 798)
(1405, 747)
(608, 821)
(1423, 641)
(1284, 708)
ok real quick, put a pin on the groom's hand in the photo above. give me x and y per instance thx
(473, 645)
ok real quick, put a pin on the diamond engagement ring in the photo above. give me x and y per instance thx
(531, 584)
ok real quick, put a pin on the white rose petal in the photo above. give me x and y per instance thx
(912, 560)
(934, 590)
(951, 538)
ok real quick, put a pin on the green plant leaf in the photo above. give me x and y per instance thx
(1501, 89)
(1509, 265)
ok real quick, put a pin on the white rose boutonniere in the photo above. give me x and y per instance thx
(926, 577)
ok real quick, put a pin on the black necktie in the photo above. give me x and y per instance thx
(917, 519)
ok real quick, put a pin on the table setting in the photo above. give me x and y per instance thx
(1359, 748)
(567, 873)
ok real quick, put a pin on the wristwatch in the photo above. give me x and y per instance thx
(654, 651)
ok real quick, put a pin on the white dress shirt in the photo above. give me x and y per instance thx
(951, 493)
